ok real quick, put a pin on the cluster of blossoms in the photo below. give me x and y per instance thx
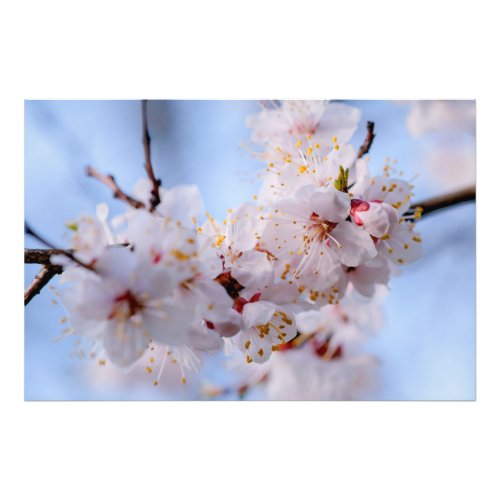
(168, 281)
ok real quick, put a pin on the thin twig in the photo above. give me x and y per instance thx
(43, 256)
(444, 201)
(368, 140)
(109, 180)
(146, 141)
(68, 253)
(46, 273)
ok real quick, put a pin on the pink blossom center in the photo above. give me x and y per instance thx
(358, 206)
(241, 302)
(125, 306)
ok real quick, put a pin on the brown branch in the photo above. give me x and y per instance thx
(48, 270)
(46, 273)
(41, 255)
(109, 181)
(444, 201)
(67, 253)
(368, 140)
(146, 141)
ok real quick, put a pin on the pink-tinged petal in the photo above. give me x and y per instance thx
(376, 219)
(357, 206)
(395, 192)
(356, 245)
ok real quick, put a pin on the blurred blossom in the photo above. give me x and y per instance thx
(452, 165)
(449, 153)
(426, 117)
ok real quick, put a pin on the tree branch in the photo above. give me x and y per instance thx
(444, 201)
(41, 255)
(365, 147)
(146, 141)
(67, 253)
(109, 180)
(46, 273)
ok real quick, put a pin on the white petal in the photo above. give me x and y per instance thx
(356, 245)
(118, 264)
(170, 325)
(253, 270)
(231, 327)
(309, 322)
(404, 245)
(341, 121)
(257, 313)
(364, 278)
(205, 340)
(153, 282)
(181, 203)
(330, 204)
(124, 342)
(212, 301)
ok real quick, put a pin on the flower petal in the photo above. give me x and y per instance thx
(356, 245)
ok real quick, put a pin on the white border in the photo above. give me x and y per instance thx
(383, 49)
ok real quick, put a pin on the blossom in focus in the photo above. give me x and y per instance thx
(311, 235)
(236, 243)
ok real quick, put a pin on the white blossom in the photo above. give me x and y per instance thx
(306, 265)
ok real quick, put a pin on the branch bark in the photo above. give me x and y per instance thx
(42, 255)
(365, 147)
(109, 180)
(444, 201)
(68, 253)
(146, 141)
(46, 273)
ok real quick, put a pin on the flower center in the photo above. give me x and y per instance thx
(321, 229)
(125, 306)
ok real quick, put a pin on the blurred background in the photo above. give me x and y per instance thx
(426, 348)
